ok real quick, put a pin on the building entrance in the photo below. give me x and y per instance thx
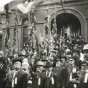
(68, 25)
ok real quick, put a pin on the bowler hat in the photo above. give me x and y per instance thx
(15, 60)
(48, 65)
(53, 51)
(71, 58)
(68, 53)
(83, 63)
(75, 51)
(44, 59)
(58, 59)
(1, 59)
(63, 57)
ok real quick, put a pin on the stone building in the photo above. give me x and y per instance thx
(65, 12)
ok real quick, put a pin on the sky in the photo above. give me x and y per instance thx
(1, 8)
(3, 2)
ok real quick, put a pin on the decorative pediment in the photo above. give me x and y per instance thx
(3, 23)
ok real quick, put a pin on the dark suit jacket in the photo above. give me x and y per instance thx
(2, 79)
(82, 84)
(35, 80)
(21, 79)
(62, 77)
(74, 76)
(48, 81)
(76, 58)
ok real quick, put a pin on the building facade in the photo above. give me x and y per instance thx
(65, 12)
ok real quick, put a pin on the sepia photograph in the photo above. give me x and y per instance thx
(44, 44)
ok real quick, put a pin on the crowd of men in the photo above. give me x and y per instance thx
(57, 63)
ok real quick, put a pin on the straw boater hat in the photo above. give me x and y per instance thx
(40, 63)
(85, 48)
(25, 63)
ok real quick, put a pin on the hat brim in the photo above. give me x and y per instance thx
(48, 66)
(58, 60)
(40, 65)
(15, 60)
(63, 57)
(44, 60)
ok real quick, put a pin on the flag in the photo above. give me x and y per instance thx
(27, 6)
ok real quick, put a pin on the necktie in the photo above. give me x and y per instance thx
(47, 74)
(14, 80)
(39, 81)
(86, 78)
(70, 76)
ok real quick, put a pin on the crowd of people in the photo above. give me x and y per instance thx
(54, 63)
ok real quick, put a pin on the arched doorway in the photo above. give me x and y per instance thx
(75, 13)
(66, 20)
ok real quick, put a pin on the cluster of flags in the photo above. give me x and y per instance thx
(26, 7)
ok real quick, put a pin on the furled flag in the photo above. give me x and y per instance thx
(27, 6)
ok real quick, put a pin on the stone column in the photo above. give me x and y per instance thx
(19, 37)
(3, 38)
(11, 36)
(87, 31)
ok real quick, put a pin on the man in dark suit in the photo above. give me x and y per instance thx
(76, 57)
(83, 80)
(51, 77)
(17, 77)
(62, 73)
(38, 78)
(72, 73)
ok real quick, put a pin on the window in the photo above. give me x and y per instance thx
(25, 34)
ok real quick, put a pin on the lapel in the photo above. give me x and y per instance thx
(17, 73)
(11, 75)
(51, 74)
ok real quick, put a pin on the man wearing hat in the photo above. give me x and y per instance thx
(27, 70)
(63, 73)
(82, 70)
(72, 73)
(38, 78)
(75, 54)
(44, 60)
(63, 59)
(17, 77)
(83, 79)
(58, 65)
(52, 52)
(59, 73)
(51, 77)
(85, 51)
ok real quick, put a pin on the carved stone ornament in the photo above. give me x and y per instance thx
(3, 23)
